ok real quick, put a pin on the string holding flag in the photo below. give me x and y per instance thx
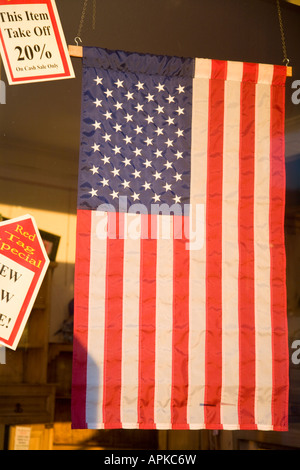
(180, 296)
(286, 60)
(76, 51)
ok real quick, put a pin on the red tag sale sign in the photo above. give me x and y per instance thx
(32, 42)
(23, 265)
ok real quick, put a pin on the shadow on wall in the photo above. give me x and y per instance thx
(36, 194)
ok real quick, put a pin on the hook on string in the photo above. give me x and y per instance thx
(77, 39)
(286, 61)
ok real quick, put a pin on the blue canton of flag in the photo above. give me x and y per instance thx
(136, 137)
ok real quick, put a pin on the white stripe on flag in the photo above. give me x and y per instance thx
(95, 360)
(197, 298)
(130, 338)
(164, 325)
(263, 380)
(230, 249)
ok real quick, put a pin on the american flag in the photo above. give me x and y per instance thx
(180, 310)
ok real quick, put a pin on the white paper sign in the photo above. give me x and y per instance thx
(32, 42)
(22, 438)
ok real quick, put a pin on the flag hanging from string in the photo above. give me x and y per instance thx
(180, 295)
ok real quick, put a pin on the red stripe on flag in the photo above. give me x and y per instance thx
(113, 321)
(278, 262)
(246, 248)
(179, 393)
(147, 323)
(213, 359)
(81, 305)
